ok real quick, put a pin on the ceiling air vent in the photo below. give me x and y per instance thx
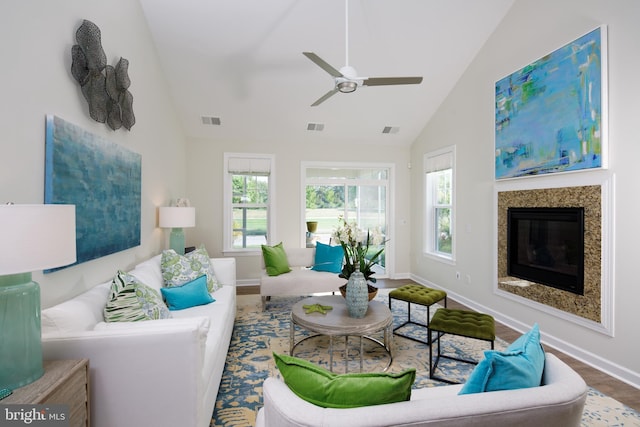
(210, 120)
(390, 129)
(315, 126)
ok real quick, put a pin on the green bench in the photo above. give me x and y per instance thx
(458, 322)
(420, 295)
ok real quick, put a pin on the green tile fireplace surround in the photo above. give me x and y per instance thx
(587, 306)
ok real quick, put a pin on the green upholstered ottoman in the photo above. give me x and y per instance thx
(463, 323)
(416, 294)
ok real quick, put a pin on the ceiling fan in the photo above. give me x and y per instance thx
(346, 79)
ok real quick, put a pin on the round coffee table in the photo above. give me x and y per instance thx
(338, 323)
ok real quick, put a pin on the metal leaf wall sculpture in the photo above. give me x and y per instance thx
(106, 88)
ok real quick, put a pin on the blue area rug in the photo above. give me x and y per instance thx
(258, 334)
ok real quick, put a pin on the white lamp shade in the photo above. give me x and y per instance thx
(177, 217)
(36, 237)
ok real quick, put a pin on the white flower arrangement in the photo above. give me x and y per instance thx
(355, 244)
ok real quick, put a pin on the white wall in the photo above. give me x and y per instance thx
(529, 31)
(206, 185)
(35, 41)
(36, 38)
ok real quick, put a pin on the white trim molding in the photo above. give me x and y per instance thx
(606, 180)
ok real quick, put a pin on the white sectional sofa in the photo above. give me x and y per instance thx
(301, 280)
(559, 402)
(149, 373)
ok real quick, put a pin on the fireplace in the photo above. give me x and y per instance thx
(546, 245)
(586, 303)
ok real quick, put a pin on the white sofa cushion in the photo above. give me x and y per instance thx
(300, 257)
(300, 281)
(149, 273)
(157, 325)
(217, 315)
(81, 313)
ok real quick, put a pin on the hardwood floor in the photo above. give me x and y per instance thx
(608, 385)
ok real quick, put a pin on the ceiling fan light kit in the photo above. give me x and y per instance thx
(346, 80)
(347, 86)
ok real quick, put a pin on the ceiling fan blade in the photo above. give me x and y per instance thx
(325, 97)
(322, 64)
(383, 81)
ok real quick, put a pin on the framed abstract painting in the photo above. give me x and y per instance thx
(550, 116)
(102, 179)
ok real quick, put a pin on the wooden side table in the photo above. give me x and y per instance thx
(64, 382)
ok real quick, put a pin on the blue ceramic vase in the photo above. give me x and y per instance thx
(357, 297)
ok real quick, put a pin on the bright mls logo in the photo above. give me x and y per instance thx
(34, 415)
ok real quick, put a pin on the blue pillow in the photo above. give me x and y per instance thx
(328, 258)
(190, 294)
(519, 366)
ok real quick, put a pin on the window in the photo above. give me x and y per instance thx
(356, 192)
(247, 197)
(439, 203)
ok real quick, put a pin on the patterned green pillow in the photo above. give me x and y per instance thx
(180, 269)
(131, 301)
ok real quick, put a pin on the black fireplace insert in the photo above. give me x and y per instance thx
(546, 245)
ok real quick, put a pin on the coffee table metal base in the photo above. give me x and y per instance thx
(337, 323)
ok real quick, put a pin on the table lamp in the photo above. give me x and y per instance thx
(177, 218)
(34, 237)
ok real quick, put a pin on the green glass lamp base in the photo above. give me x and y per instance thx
(176, 240)
(20, 335)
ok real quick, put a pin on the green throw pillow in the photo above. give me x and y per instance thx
(180, 269)
(130, 301)
(519, 366)
(275, 260)
(328, 390)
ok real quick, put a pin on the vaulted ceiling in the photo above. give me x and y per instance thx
(241, 61)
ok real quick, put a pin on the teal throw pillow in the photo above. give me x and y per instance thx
(188, 295)
(328, 390)
(328, 258)
(130, 301)
(275, 260)
(180, 269)
(519, 366)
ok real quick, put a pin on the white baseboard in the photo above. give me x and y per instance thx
(608, 367)
(247, 282)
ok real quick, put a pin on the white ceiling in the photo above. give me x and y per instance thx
(241, 61)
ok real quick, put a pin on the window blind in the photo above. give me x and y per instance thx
(439, 162)
(249, 166)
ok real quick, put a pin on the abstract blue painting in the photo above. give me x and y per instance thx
(102, 179)
(549, 114)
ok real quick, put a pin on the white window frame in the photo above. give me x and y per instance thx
(435, 161)
(262, 164)
(390, 202)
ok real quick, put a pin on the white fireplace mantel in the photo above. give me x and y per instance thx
(606, 181)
